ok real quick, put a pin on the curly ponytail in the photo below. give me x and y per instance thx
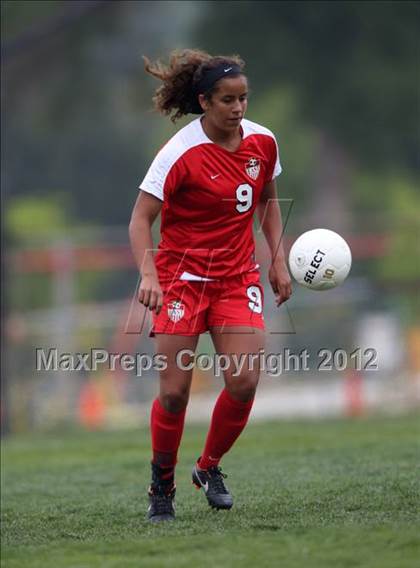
(184, 71)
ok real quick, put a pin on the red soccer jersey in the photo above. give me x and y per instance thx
(209, 197)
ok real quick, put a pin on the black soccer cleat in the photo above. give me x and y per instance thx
(162, 506)
(211, 480)
(161, 496)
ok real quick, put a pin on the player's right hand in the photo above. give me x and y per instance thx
(150, 293)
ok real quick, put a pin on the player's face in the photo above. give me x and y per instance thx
(228, 103)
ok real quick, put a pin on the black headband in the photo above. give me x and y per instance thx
(209, 79)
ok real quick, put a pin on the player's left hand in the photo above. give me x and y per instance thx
(280, 281)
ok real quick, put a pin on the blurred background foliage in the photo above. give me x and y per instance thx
(77, 97)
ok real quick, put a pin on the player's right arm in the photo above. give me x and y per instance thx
(145, 211)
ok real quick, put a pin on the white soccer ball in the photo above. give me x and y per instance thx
(320, 259)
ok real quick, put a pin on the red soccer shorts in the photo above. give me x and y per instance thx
(192, 307)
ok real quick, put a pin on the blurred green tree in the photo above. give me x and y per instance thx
(354, 65)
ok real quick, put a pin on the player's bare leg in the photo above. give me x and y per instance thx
(232, 408)
(167, 423)
(174, 382)
(245, 341)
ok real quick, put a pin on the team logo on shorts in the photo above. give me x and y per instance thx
(176, 310)
(253, 168)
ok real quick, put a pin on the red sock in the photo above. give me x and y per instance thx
(166, 428)
(228, 420)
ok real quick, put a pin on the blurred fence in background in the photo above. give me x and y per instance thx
(89, 287)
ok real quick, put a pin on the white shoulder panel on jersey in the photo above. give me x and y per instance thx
(188, 137)
(251, 128)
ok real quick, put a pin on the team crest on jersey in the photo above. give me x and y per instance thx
(253, 168)
(176, 310)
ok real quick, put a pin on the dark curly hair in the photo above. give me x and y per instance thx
(185, 69)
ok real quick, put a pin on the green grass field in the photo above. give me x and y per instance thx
(323, 494)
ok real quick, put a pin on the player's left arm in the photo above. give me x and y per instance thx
(269, 214)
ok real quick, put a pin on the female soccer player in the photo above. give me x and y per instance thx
(206, 182)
